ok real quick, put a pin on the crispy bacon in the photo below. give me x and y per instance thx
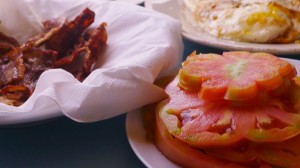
(36, 61)
(51, 23)
(12, 69)
(79, 62)
(17, 94)
(96, 43)
(68, 46)
(7, 43)
(67, 36)
(19, 76)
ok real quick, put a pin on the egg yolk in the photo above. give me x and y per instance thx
(271, 16)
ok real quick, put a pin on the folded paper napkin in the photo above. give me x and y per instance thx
(132, 1)
(142, 46)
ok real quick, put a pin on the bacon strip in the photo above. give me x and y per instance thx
(7, 43)
(79, 62)
(68, 35)
(67, 45)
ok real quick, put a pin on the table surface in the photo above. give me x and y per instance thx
(66, 143)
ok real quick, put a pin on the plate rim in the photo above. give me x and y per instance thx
(136, 136)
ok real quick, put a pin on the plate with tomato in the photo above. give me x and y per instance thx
(235, 110)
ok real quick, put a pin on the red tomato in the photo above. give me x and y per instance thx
(201, 124)
(293, 94)
(283, 154)
(241, 108)
(242, 152)
(183, 154)
(234, 76)
(187, 156)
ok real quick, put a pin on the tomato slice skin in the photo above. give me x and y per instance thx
(234, 76)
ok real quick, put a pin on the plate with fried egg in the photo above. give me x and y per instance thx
(271, 26)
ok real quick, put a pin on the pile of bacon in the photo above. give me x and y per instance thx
(67, 45)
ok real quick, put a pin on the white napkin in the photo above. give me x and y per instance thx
(131, 1)
(142, 46)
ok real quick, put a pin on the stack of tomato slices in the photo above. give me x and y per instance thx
(238, 109)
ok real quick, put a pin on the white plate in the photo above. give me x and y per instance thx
(173, 9)
(144, 149)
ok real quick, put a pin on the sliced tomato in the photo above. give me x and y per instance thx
(241, 155)
(283, 154)
(202, 124)
(183, 154)
(293, 94)
(242, 152)
(177, 95)
(234, 75)
(279, 154)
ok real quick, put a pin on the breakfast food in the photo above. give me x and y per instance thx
(240, 109)
(269, 21)
(65, 45)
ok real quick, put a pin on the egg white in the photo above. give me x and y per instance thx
(244, 20)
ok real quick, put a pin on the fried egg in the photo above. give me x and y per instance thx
(258, 21)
